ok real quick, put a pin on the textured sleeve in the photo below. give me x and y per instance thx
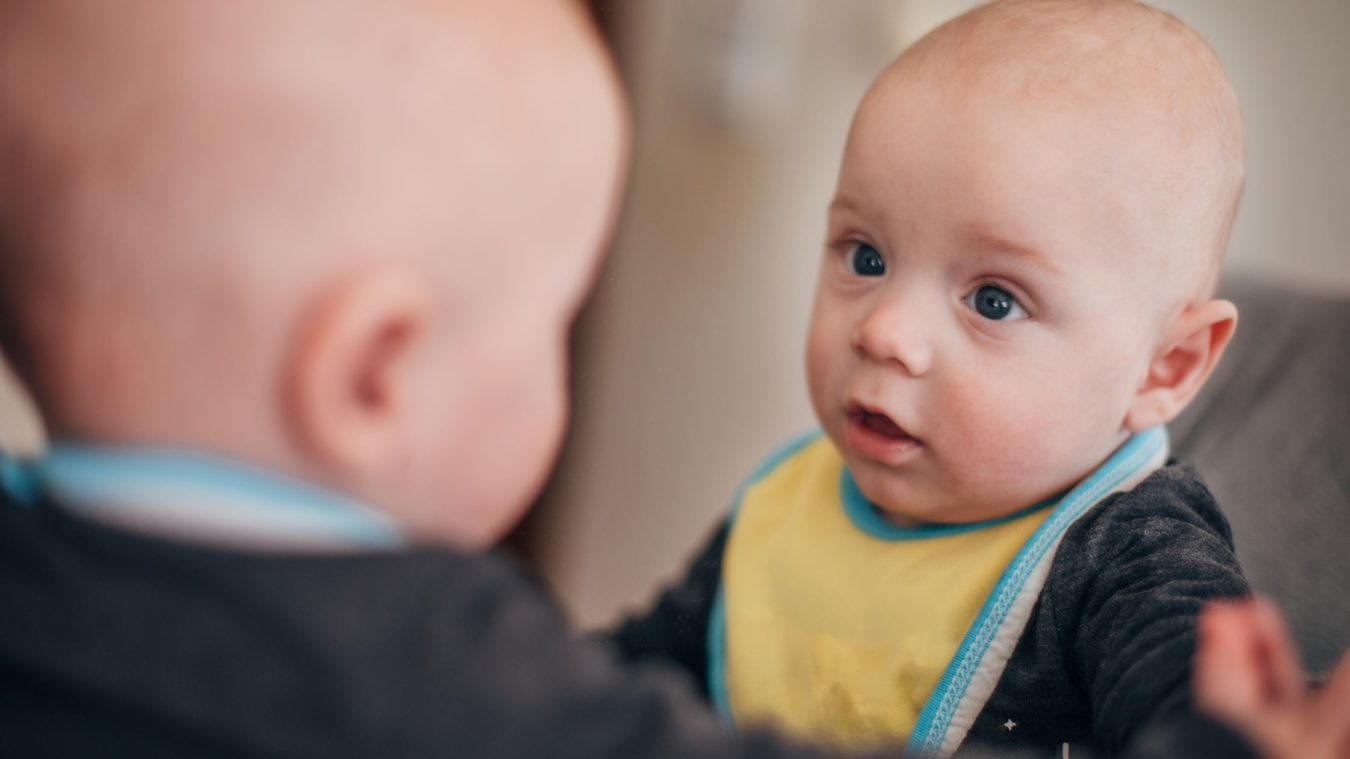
(675, 629)
(1127, 585)
(1190, 736)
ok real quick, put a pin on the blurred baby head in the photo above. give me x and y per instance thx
(341, 239)
(1026, 234)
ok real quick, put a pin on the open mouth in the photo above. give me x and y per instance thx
(875, 435)
(879, 423)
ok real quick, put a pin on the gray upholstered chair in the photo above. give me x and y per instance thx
(1271, 436)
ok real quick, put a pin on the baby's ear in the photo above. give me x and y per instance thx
(1188, 353)
(347, 381)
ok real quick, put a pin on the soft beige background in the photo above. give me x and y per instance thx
(690, 368)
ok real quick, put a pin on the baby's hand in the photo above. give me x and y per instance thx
(1248, 674)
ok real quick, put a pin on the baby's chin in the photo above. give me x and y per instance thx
(913, 504)
(908, 516)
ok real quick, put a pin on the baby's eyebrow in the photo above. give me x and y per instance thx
(843, 203)
(986, 241)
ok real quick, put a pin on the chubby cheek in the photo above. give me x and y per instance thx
(524, 429)
(541, 427)
(994, 433)
(484, 460)
(827, 360)
(1017, 437)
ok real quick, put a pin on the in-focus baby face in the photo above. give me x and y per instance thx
(984, 313)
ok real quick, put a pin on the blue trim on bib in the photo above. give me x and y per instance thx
(869, 520)
(931, 727)
(196, 496)
(717, 657)
(717, 629)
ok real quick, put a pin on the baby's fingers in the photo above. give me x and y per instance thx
(1283, 670)
(1228, 680)
(1332, 705)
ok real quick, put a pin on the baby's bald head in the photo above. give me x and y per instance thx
(1029, 215)
(177, 175)
(1152, 85)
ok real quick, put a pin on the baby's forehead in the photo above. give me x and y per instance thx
(1106, 54)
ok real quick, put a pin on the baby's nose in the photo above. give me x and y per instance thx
(894, 332)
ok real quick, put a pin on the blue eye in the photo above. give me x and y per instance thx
(865, 261)
(995, 304)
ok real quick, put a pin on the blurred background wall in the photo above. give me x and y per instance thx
(20, 429)
(689, 364)
(688, 361)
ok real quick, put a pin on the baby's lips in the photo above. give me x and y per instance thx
(878, 421)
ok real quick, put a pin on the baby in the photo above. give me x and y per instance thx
(291, 283)
(987, 543)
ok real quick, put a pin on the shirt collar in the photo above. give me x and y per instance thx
(197, 497)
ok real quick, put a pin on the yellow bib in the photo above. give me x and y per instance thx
(834, 632)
